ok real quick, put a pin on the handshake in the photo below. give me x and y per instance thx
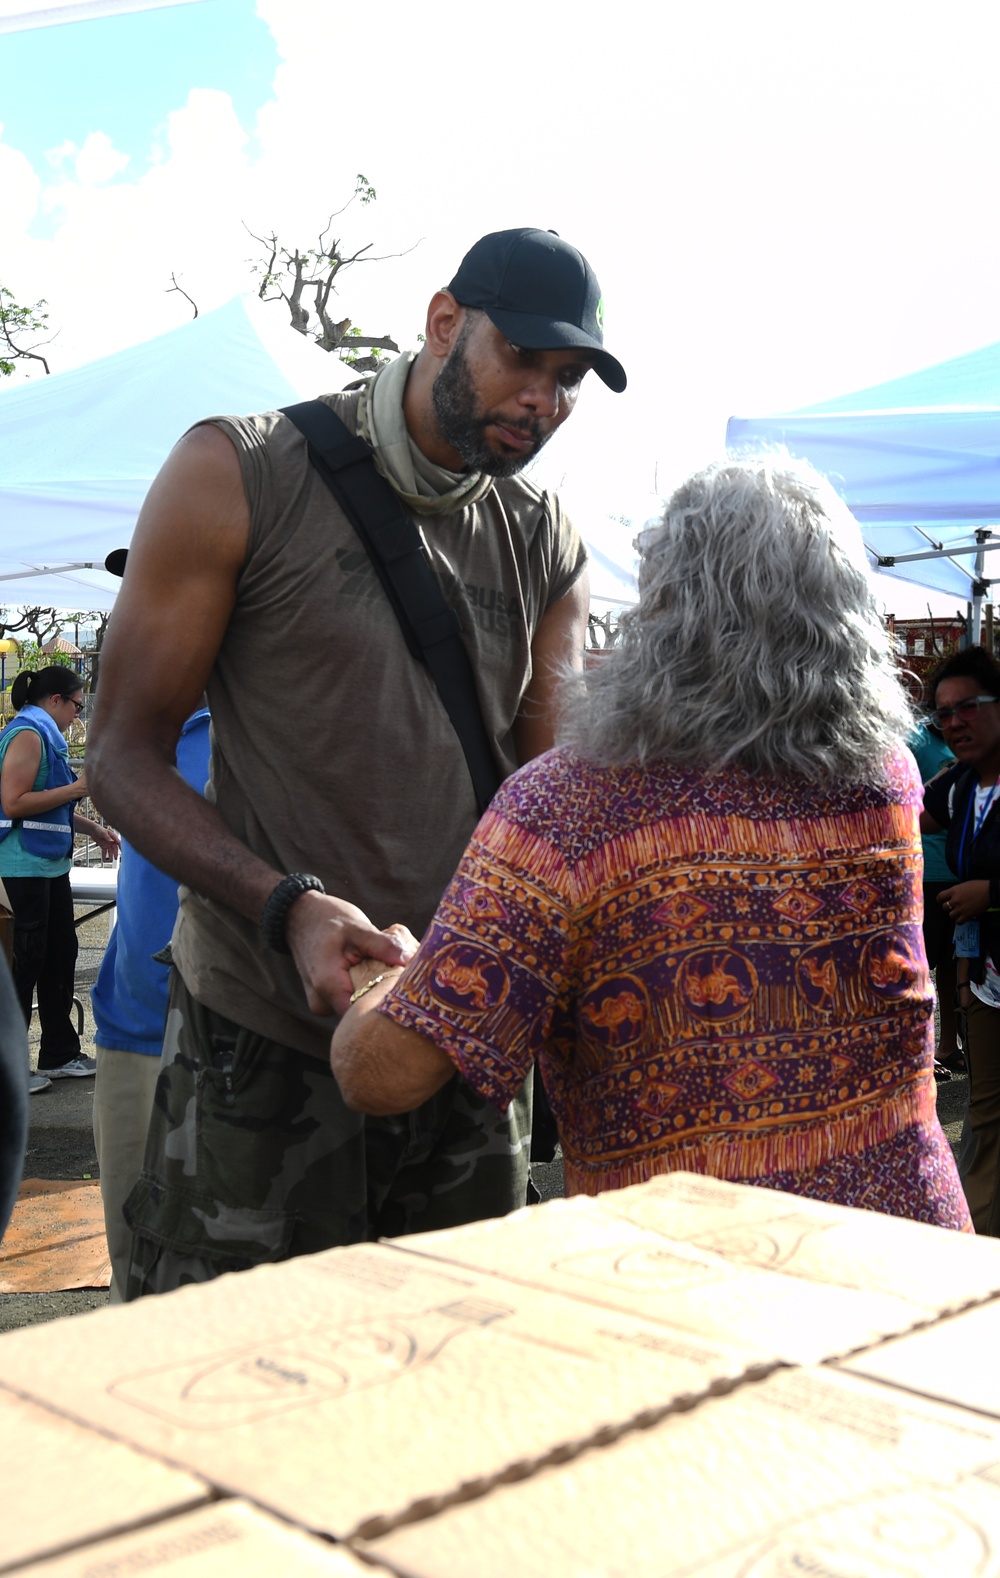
(368, 973)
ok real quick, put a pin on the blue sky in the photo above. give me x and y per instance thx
(123, 74)
(784, 200)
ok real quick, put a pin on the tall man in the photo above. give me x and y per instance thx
(333, 757)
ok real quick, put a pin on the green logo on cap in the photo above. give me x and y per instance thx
(600, 314)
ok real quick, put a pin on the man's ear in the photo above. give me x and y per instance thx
(445, 317)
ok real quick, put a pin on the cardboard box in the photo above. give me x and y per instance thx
(220, 1541)
(448, 1417)
(809, 1474)
(955, 1360)
(346, 1389)
(61, 1484)
(793, 1278)
(929, 1270)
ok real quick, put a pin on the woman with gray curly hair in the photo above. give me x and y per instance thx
(702, 913)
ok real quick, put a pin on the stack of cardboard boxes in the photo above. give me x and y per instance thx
(684, 1377)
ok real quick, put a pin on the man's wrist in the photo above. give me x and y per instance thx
(274, 920)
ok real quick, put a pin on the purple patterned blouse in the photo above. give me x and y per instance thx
(716, 972)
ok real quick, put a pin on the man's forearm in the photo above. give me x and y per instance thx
(139, 790)
(176, 829)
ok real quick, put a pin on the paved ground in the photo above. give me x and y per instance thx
(61, 1145)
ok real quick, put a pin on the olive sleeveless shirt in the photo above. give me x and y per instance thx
(332, 752)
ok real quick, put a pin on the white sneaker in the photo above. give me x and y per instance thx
(37, 1082)
(81, 1067)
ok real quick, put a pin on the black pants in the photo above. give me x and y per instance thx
(979, 1153)
(45, 961)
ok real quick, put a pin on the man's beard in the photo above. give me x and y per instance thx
(455, 407)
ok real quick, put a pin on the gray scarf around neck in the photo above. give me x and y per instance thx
(425, 488)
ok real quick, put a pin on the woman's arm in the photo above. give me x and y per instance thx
(491, 975)
(382, 1067)
(105, 838)
(20, 769)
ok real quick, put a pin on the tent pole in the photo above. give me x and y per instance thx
(979, 586)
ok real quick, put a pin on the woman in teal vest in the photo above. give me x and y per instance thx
(38, 796)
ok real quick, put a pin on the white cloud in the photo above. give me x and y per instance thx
(105, 263)
(782, 201)
(21, 188)
(99, 160)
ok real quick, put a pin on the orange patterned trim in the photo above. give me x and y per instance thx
(823, 839)
(748, 1157)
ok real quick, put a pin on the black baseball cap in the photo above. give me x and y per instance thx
(540, 292)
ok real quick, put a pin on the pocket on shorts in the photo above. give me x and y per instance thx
(181, 1236)
(230, 1061)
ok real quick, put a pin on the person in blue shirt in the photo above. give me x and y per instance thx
(130, 1004)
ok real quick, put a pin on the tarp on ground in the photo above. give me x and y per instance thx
(917, 459)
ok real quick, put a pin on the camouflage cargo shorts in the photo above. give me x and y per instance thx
(253, 1157)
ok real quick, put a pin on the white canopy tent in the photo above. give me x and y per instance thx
(17, 15)
(78, 450)
(918, 462)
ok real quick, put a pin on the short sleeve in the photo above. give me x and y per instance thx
(491, 971)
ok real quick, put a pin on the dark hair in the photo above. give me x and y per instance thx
(30, 688)
(972, 663)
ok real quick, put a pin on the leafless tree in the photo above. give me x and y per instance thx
(603, 630)
(99, 619)
(40, 623)
(174, 286)
(299, 278)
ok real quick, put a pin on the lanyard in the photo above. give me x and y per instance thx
(965, 857)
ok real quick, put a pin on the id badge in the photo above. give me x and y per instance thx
(967, 940)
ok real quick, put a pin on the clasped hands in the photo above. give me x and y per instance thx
(337, 950)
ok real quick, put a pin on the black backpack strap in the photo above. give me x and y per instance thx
(430, 626)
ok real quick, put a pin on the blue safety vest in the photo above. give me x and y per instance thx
(50, 834)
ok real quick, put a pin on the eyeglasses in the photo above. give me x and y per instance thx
(79, 705)
(963, 709)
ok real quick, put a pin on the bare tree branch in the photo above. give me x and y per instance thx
(18, 320)
(267, 272)
(288, 274)
(365, 364)
(174, 286)
(299, 314)
(40, 623)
